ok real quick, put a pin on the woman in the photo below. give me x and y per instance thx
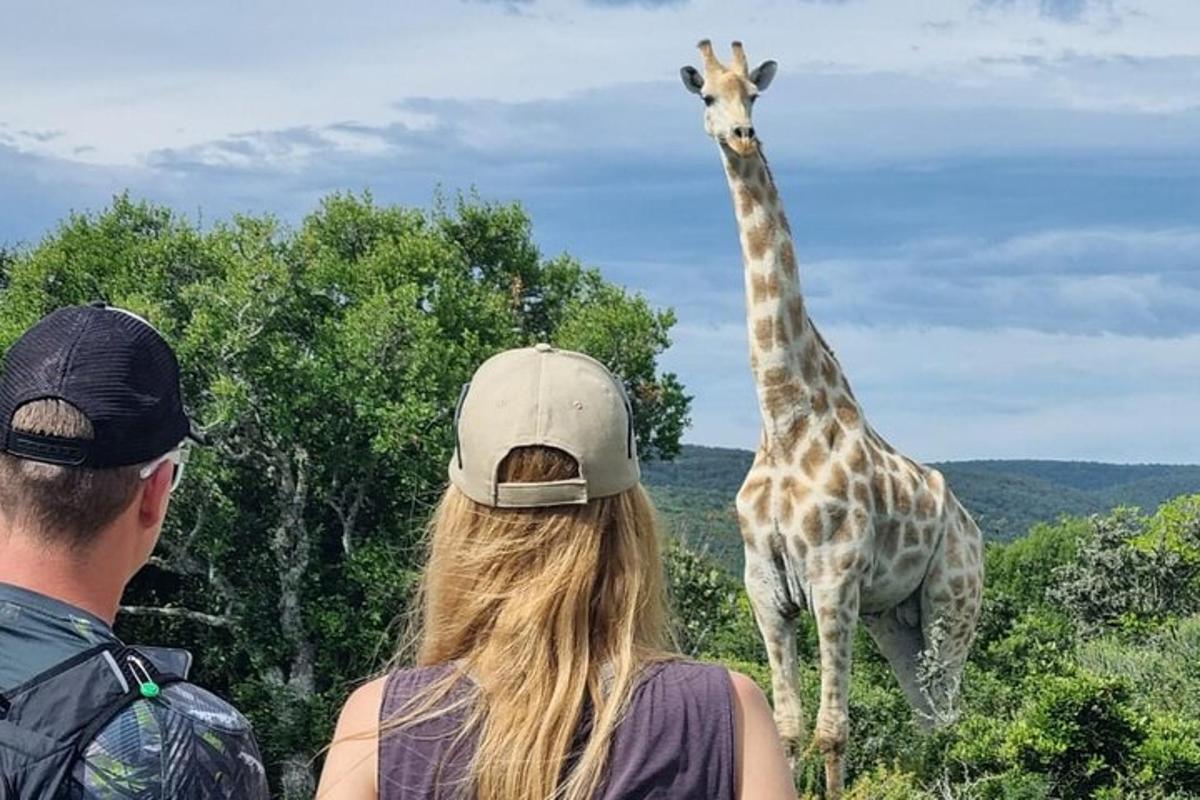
(544, 669)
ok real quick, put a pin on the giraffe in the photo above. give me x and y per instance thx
(834, 520)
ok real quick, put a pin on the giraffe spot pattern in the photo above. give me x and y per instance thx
(834, 434)
(813, 528)
(764, 333)
(846, 411)
(838, 485)
(857, 460)
(765, 287)
(814, 458)
(796, 313)
(780, 397)
(759, 238)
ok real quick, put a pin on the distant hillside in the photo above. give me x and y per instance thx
(695, 492)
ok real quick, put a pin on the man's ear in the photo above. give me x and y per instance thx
(693, 81)
(763, 74)
(156, 491)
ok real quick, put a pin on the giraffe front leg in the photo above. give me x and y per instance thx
(775, 613)
(835, 606)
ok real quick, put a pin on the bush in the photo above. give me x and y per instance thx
(705, 602)
(1161, 669)
(1025, 568)
(1039, 641)
(883, 783)
(1122, 579)
(1078, 730)
(1169, 758)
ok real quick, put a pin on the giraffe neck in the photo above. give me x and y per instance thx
(794, 373)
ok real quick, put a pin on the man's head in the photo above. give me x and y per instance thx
(91, 434)
(729, 93)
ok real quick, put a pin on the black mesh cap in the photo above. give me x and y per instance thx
(113, 367)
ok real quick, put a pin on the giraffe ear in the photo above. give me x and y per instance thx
(693, 81)
(763, 74)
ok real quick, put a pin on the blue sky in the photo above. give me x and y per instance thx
(996, 202)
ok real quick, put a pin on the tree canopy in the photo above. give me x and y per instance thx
(325, 362)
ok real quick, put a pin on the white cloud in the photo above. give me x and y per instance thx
(128, 79)
(1089, 281)
(946, 393)
(951, 167)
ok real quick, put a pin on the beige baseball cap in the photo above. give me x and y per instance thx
(554, 398)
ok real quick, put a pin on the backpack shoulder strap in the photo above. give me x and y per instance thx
(48, 722)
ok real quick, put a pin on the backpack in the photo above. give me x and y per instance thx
(47, 723)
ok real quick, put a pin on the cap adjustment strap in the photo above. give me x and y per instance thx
(46, 449)
(548, 493)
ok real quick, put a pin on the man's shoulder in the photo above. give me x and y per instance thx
(187, 742)
(202, 708)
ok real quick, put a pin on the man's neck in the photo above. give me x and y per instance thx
(71, 577)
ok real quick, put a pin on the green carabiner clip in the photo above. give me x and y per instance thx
(147, 687)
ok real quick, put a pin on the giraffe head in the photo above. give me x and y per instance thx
(728, 93)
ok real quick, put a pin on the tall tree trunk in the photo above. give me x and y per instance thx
(292, 549)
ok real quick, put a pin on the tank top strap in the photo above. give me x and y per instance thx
(677, 739)
(428, 760)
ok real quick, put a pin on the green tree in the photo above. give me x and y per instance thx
(1126, 574)
(325, 362)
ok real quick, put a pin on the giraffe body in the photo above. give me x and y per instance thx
(834, 520)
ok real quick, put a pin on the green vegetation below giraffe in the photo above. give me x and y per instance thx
(695, 493)
(1082, 683)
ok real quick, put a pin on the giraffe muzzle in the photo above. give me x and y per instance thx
(742, 141)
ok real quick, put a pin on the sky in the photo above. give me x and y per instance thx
(996, 203)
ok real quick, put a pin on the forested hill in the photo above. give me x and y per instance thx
(696, 491)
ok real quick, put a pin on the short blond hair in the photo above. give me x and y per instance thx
(61, 505)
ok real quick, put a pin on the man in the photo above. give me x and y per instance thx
(93, 439)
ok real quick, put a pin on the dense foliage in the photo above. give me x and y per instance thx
(1084, 680)
(325, 362)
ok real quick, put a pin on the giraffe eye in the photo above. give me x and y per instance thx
(709, 99)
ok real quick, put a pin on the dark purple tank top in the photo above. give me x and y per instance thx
(675, 743)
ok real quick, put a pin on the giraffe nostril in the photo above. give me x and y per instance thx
(749, 133)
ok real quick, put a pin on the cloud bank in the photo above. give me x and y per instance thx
(994, 202)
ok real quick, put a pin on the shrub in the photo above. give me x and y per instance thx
(1039, 641)
(1079, 730)
(1024, 569)
(884, 783)
(1169, 758)
(1162, 670)
(705, 603)
(1122, 580)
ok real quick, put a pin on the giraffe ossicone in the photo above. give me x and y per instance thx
(834, 520)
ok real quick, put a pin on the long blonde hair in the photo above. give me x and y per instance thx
(549, 612)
